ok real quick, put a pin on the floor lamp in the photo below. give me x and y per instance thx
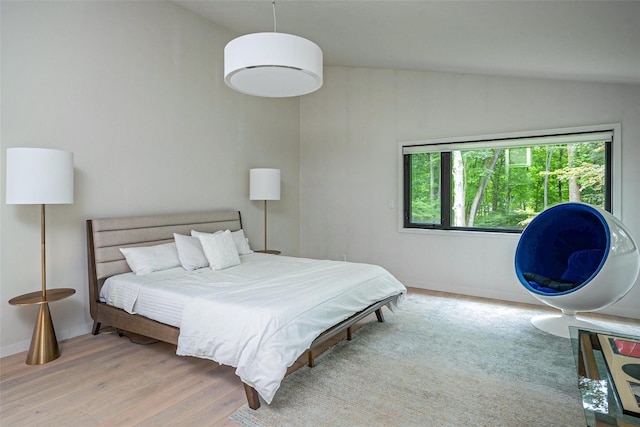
(40, 176)
(264, 184)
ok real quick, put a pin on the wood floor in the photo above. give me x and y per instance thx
(108, 380)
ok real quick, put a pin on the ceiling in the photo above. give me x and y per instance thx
(570, 40)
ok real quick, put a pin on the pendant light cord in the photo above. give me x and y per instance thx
(275, 24)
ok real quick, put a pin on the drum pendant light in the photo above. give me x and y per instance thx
(274, 65)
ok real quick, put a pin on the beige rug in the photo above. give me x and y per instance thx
(436, 362)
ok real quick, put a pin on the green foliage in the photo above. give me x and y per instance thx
(425, 188)
(521, 184)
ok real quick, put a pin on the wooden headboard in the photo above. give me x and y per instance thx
(106, 235)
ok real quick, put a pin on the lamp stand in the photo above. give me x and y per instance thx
(40, 176)
(264, 184)
(43, 254)
(44, 344)
(265, 225)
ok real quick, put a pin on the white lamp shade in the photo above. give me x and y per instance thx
(264, 184)
(273, 65)
(39, 176)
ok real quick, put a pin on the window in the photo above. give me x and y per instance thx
(501, 183)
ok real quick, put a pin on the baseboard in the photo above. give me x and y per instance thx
(11, 349)
(613, 310)
(61, 335)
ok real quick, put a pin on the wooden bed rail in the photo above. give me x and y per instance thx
(253, 399)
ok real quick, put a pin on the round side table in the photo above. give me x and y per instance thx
(44, 345)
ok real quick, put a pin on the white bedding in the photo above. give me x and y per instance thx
(259, 316)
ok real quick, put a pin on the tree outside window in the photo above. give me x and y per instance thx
(502, 188)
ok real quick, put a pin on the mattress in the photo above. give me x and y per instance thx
(162, 295)
(259, 316)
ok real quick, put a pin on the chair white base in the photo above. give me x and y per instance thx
(558, 324)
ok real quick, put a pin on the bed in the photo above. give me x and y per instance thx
(258, 314)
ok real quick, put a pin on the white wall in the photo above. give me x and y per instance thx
(350, 131)
(135, 90)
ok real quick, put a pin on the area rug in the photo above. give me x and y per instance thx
(437, 361)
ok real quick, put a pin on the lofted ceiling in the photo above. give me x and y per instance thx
(597, 41)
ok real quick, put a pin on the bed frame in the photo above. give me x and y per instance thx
(106, 235)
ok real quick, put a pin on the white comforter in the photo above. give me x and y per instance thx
(262, 315)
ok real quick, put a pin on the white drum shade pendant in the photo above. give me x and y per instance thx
(273, 65)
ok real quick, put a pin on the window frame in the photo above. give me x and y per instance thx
(506, 140)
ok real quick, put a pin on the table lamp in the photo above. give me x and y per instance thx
(264, 184)
(40, 176)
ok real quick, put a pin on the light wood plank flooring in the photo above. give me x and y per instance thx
(107, 380)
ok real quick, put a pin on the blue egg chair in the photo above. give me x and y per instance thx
(577, 258)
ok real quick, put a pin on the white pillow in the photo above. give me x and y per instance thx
(146, 259)
(190, 252)
(242, 243)
(220, 250)
(195, 233)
